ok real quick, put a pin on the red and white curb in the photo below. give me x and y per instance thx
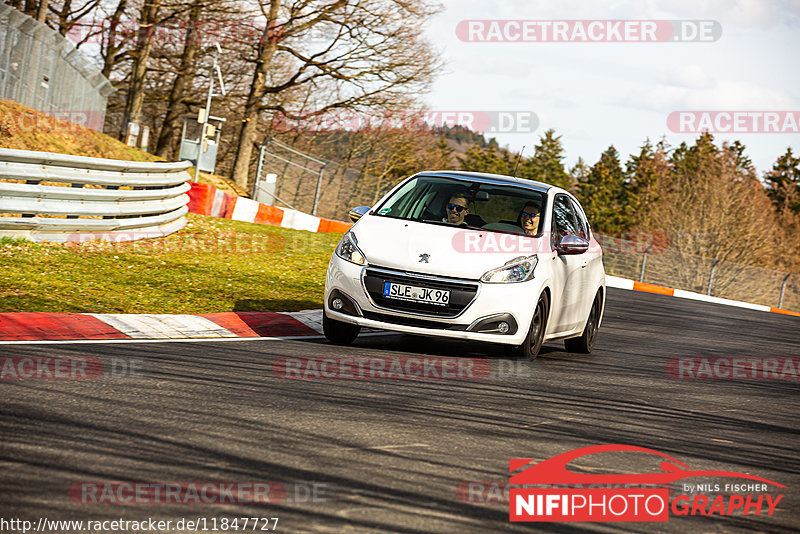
(26, 327)
(113, 327)
(624, 283)
(163, 326)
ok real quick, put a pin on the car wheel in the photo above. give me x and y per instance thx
(533, 341)
(585, 343)
(337, 332)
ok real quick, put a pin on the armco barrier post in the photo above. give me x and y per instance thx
(783, 288)
(644, 264)
(711, 276)
(317, 190)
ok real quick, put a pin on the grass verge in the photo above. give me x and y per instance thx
(211, 265)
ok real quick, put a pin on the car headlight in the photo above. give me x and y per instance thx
(517, 270)
(347, 249)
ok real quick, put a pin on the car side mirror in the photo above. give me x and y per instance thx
(356, 213)
(572, 244)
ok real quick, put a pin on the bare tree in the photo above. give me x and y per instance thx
(41, 13)
(141, 55)
(31, 8)
(351, 54)
(69, 15)
(206, 22)
(176, 97)
(111, 45)
(258, 88)
(714, 211)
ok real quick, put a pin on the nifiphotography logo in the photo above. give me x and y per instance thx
(580, 497)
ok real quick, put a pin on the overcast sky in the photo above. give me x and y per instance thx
(596, 94)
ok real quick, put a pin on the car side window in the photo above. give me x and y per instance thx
(583, 225)
(563, 219)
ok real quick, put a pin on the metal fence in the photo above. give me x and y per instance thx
(666, 266)
(312, 184)
(41, 69)
(58, 197)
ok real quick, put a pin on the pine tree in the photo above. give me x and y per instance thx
(578, 173)
(441, 154)
(744, 164)
(643, 176)
(783, 183)
(604, 196)
(687, 161)
(547, 163)
(491, 159)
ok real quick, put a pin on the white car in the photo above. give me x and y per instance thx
(464, 255)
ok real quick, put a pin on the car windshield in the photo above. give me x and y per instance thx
(468, 204)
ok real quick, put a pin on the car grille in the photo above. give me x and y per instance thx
(461, 292)
(410, 321)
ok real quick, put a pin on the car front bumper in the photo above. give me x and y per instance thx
(477, 321)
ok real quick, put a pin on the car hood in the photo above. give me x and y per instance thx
(453, 252)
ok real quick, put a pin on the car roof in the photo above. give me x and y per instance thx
(488, 178)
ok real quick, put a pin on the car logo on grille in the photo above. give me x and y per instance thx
(423, 258)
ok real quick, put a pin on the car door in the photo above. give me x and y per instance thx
(591, 265)
(568, 269)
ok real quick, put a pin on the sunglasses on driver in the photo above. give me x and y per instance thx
(458, 208)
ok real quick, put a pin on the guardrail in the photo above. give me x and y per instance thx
(60, 197)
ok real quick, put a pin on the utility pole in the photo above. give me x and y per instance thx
(215, 70)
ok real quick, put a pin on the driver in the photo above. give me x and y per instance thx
(457, 209)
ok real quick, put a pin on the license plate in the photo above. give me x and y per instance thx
(438, 297)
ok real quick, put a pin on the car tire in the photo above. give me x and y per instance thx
(533, 341)
(585, 343)
(338, 332)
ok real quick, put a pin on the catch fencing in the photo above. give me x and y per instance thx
(658, 263)
(59, 197)
(288, 177)
(41, 69)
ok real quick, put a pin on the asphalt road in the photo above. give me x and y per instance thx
(390, 455)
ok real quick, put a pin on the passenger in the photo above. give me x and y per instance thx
(529, 219)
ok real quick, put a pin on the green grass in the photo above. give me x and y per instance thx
(212, 265)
